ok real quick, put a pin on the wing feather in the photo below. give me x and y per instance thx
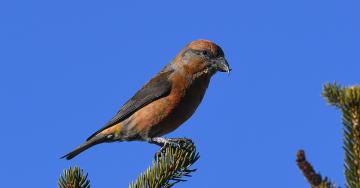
(156, 88)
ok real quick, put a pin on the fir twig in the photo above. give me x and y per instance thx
(348, 101)
(74, 178)
(315, 179)
(334, 94)
(169, 167)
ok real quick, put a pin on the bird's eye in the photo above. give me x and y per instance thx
(205, 53)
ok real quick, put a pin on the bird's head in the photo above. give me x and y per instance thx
(203, 57)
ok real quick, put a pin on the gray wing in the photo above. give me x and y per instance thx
(156, 88)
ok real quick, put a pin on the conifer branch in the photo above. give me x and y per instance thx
(169, 167)
(74, 178)
(334, 94)
(171, 164)
(348, 101)
(315, 179)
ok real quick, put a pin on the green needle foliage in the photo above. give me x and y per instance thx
(171, 164)
(169, 167)
(74, 178)
(347, 99)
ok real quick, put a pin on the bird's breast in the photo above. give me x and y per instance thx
(180, 105)
(166, 114)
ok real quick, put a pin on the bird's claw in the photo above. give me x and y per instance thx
(166, 143)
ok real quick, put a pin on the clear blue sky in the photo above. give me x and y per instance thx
(67, 66)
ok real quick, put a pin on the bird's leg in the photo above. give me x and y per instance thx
(163, 142)
(179, 141)
(160, 141)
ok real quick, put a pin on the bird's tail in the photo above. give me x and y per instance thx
(93, 141)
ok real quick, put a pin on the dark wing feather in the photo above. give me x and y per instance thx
(156, 88)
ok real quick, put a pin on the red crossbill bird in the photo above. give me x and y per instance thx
(166, 101)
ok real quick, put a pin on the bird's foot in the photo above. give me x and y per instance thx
(165, 143)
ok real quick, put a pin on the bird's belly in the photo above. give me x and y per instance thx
(166, 114)
(177, 114)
